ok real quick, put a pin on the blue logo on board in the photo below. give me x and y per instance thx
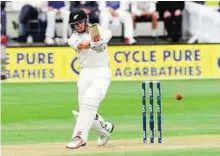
(73, 66)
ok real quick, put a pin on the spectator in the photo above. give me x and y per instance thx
(171, 12)
(90, 7)
(143, 10)
(3, 53)
(115, 11)
(3, 18)
(56, 8)
(29, 10)
(3, 40)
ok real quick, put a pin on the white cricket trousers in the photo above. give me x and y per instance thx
(51, 23)
(92, 87)
(124, 17)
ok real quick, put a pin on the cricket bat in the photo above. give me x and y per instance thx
(94, 32)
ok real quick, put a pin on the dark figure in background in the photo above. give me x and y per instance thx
(28, 13)
(171, 13)
(90, 7)
(3, 18)
(3, 40)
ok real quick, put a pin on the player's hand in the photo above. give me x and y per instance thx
(83, 45)
(98, 46)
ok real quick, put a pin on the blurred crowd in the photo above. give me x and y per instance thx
(38, 18)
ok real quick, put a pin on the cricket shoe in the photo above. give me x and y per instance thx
(103, 139)
(76, 143)
(100, 126)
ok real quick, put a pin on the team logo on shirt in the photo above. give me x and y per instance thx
(75, 16)
(75, 65)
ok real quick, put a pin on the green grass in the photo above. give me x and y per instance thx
(181, 152)
(41, 112)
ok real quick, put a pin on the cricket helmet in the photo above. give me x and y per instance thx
(77, 16)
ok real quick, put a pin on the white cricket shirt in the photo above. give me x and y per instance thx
(89, 58)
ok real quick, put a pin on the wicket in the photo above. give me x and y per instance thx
(144, 112)
(151, 111)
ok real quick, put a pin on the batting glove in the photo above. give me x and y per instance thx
(98, 46)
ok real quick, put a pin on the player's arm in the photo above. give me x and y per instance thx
(83, 45)
(106, 34)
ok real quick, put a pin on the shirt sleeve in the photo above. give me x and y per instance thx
(73, 41)
(105, 34)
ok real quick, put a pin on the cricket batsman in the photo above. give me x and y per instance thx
(93, 82)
